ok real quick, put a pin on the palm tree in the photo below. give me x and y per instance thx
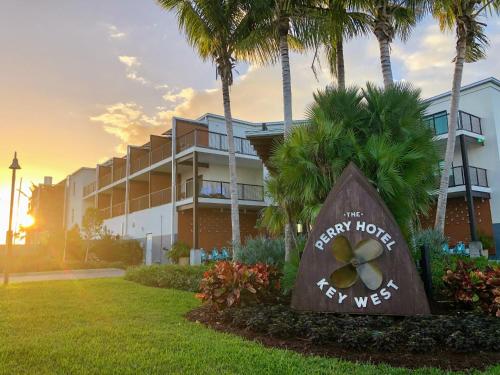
(388, 19)
(220, 31)
(382, 131)
(338, 22)
(465, 17)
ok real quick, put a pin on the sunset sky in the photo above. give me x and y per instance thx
(81, 79)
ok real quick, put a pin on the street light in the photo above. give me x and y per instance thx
(8, 239)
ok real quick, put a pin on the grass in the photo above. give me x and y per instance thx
(112, 326)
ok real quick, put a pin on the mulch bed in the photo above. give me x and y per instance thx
(439, 359)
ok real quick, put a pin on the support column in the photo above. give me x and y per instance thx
(174, 181)
(127, 190)
(468, 189)
(195, 200)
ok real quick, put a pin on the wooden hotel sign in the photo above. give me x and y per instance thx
(356, 259)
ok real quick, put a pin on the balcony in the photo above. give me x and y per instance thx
(118, 209)
(105, 213)
(161, 197)
(89, 189)
(139, 203)
(214, 141)
(105, 180)
(438, 122)
(161, 153)
(118, 173)
(478, 177)
(139, 163)
(220, 190)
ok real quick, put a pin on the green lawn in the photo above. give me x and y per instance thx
(115, 326)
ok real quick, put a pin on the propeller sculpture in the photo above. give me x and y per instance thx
(360, 263)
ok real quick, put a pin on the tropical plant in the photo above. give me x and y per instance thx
(179, 250)
(92, 227)
(466, 17)
(338, 22)
(221, 32)
(474, 287)
(232, 284)
(381, 131)
(389, 19)
(261, 250)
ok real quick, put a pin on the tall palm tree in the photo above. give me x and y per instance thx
(388, 19)
(465, 17)
(339, 22)
(220, 31)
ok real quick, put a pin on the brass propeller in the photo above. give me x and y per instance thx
(360, 263)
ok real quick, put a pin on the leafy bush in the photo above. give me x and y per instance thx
(291, 268)
(231, 284)
(179, 250)
(475, 288)
(463, 332)
(168, 276)
(110, 248)
(261, 250)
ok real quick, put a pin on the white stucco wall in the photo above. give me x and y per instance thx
(484, 102)
(75, 206)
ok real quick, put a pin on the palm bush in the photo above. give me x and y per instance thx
(270, 251)
(381, 130)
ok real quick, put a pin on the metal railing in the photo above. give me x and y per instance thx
(105, 180)
(438, 122)
(215, 141)
(161, 152)
(118, 209)
(220, 190)
(139, 203)
(89, 189)
(139, 163)
(478, 176)
(160, 197)
(105, 213)
(118, 173)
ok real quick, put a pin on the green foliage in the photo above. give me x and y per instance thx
(291, 268)
(381, 131)
(179, 250)
(461, 332)
(487, 241)
(261, 250)
(110, 248)
(232, 284)
(92, 224)
(168, 276)
(475, 288)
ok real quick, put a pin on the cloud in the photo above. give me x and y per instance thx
(114, 33)
(132, 63)
(182, 95)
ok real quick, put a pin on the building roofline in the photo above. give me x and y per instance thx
(470, 86)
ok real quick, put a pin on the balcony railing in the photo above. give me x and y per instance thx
(105, 213)
(89, 189)
(478, 176)
(139, 163)
(215, 141)
(139, 203)
(105, 180)
(118, 173)
(161, 197)
(118, 209)
(161, 152)
(220, 190)
(439, 122)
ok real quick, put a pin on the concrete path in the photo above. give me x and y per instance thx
(66, 275)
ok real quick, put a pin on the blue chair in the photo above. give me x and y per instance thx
(204, 256)
(215, 255)
(446, 248)
(460, 249)
(224, 254)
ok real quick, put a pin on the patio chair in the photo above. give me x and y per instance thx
(215, 255)
(204, 256)
(225, 254)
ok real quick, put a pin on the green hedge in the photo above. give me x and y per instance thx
(168, 276)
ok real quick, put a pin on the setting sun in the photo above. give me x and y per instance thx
(27, 221)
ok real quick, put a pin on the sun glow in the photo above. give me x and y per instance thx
(27, 221)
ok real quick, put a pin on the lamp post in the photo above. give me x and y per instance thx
(8, 239)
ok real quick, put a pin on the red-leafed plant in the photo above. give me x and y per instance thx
(231, 284)
(474, 287)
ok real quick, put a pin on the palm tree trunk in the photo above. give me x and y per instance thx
(340, 64)
(287, 83)
(452, 131)
(233, 180)
(385, 61)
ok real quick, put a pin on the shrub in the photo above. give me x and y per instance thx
(168, 276)
(475, 288)
(291, 268)
(179, 250)
(113, 249)
(261, 250)
(463, 332)
(231, 284)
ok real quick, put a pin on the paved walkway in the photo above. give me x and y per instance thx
(66, 275)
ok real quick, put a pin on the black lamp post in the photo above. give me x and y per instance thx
(8, 239)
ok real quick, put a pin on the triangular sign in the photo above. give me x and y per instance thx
(356, 259)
